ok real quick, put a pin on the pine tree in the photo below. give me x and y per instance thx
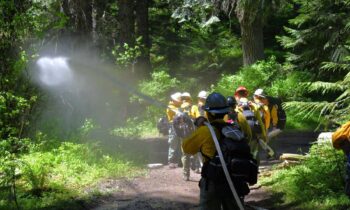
(319, 42)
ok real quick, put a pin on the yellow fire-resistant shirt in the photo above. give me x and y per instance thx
(197, 112)
(341, 137)
(274, 116)
(270, 116)
(257, 115)
(257, 110)
(201, 140)
(171, 111)
(188, 108)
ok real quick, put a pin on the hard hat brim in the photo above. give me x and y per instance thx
(260, 95)
(224, 110)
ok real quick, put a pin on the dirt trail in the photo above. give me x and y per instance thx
(163, 188)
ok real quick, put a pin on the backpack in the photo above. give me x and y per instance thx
(240, 163)
(250, 117)
(281, 114)
(163, 125)
(183, 124)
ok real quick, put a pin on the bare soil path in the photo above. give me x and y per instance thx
(163, 188)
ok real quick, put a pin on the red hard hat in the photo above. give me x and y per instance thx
(242, 89)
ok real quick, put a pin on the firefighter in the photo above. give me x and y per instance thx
(212, 195)
(174, 106)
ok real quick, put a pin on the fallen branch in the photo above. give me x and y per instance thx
(292, 157)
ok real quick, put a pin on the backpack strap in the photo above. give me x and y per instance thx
(224, 167)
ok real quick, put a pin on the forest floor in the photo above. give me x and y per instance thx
(163, 188)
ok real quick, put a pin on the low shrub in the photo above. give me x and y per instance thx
(317, 183)
(62, 174)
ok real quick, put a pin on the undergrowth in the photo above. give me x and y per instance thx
(54, 177)
(317, 183)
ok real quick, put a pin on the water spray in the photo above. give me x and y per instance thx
(54, 71)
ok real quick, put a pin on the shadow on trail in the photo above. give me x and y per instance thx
(142, 202)
(274, 202)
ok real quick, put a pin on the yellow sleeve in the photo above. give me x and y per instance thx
(242, 121)
(195, 111)
(267, 116)
(200, 141)
(341, 136)
(261, 123)
(192, 144)
(170, 112)
(274, 116)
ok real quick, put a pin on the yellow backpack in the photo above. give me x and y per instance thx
(341, 135)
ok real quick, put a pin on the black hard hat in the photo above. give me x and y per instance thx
(231, 101)
(217, 104)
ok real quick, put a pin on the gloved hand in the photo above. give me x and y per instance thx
(199, 121)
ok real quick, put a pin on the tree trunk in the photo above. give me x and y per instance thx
(252, 42)
(83, 8)
(80, 17)
(126, 20)
(250, 19)
(143, 65)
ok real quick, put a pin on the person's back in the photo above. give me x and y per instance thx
(270, 110)
(173, 140)
(213, 195)
(254, 117)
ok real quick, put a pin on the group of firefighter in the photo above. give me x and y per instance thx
(199, 144)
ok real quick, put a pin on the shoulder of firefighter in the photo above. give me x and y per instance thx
(201, 141)
(171, 111)
(190, 109)
(341, 137)
(274, 116)
(259, 114)
(266, 112)
(245, 128)
(195, 112)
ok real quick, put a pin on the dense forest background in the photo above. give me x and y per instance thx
(126, 57)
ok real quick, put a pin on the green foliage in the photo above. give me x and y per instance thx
(156, 92)
(320, 44)
(13, 113)
(317, 183)
(259, 75)
(334, 109)
(159, 86)
(135, 127)
(290, 86)
(277, 81)
(317, 34)
(48, 177)
(187, 47)
(298, 122)
(127, 55)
